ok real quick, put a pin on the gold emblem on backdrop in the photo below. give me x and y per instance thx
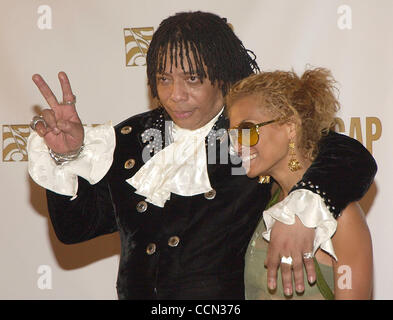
(137, 41)
(15, 142)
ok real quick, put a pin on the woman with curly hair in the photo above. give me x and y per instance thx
(277, 123)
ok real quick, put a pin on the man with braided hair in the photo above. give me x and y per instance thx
(164, 179)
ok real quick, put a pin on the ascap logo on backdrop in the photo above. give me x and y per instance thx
(15, 142)
(372, 130)
(137, 41)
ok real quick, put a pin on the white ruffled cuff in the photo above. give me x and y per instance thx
(312, 212)
(92, 164)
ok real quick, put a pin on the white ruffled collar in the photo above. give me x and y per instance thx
(180, 168)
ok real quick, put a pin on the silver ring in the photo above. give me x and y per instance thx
(308, 255)
(286, 260)
(35, 120)
(70, 103)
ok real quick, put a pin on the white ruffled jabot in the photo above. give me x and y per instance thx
(179, 168)
(312, 212)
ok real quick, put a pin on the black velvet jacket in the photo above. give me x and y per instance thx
(194, 247)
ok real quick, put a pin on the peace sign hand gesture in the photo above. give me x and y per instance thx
(62, 130)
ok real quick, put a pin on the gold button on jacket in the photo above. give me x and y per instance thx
(129, 164)
(141, 206)
(173, 241)
(126, 130)
(151, 248)
(210, 194)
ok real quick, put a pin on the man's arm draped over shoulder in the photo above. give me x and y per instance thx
(342, 172)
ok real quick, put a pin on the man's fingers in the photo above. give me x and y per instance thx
(45, 90)
(49, 117)
(298, 272)
(68, 96)
(41, 129)
(286, 275)
(72, 128)
(51, 122)
(272, 263)
(310, 269)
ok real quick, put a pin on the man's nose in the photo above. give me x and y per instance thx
(179, 91)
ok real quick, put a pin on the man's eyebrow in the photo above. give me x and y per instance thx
(187, 73)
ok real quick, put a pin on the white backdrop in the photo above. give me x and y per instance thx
(87, 40)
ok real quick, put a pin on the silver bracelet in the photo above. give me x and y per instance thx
(61, 158)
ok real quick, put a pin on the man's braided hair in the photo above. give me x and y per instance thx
(199, 39)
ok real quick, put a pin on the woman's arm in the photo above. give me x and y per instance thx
(353, 272)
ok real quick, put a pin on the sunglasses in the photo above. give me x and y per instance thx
(247, 133)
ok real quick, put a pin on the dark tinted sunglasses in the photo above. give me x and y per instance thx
(247, 133)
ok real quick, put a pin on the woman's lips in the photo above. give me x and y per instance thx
(249, 158)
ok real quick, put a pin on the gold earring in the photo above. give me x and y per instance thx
(264, 179)
(293, 163)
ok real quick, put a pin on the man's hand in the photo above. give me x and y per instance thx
(63, 132)
(290, 241)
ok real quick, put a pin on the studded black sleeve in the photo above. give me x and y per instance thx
(342, 172)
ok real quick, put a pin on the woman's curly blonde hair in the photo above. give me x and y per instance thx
(310, 101)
